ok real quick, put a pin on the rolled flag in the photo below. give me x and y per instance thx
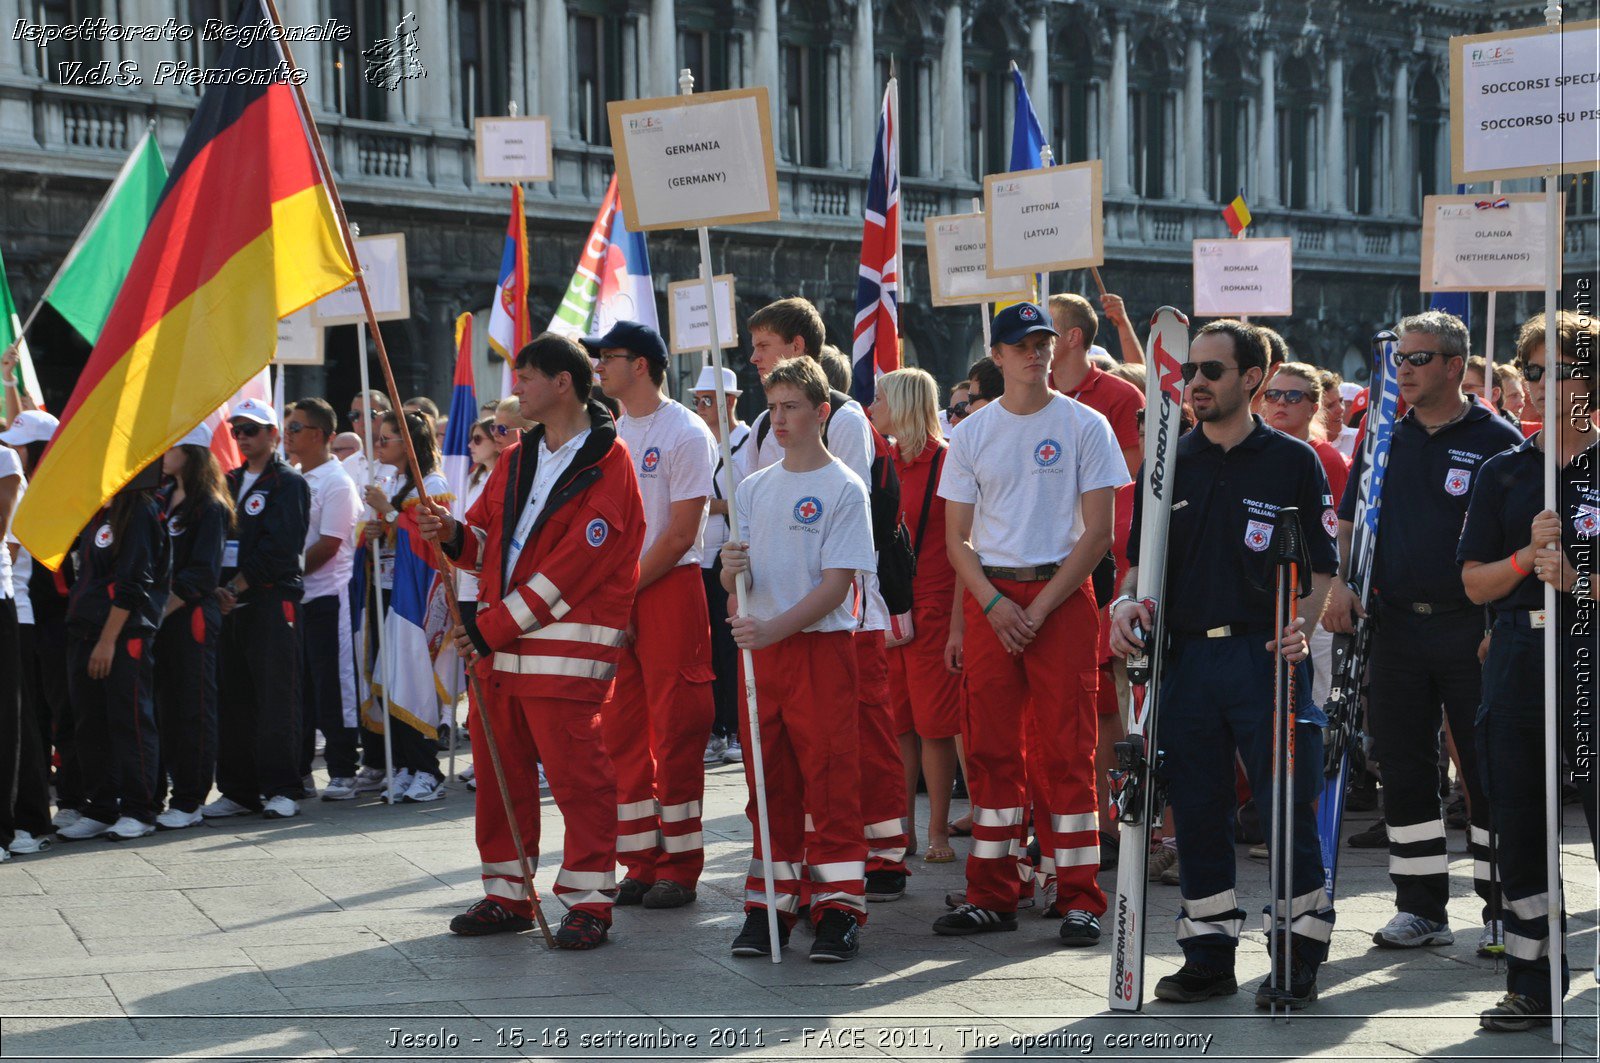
(627, 292)
(875, 349)
(572, 316)
(26, 380)
(1237, 215)
(463, 413)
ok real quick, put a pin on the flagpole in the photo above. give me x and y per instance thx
(446, 569)
(741, 581)
(369, 462)
(983, 308)
(1488, 337)
(1047, 159)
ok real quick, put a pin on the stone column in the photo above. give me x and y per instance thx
(865, 89)
(433, 42)
(767, 57)
(955, 96)
(1266, 192)
(924, 75)
(663, 77)
(1194, 119)
(553, 51)
(1333, 180)
(1039, 72)
(13, 53)
(1117, 137)
(836, 116)
(1401, 172)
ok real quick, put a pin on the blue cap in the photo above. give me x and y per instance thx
(631, 336)
(1019, 320)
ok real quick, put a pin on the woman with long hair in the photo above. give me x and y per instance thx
(411, 608)
(925, 694)
(199, 518)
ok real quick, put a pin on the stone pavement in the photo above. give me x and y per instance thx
(325, 936)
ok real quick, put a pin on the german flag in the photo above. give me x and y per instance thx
(244, 234)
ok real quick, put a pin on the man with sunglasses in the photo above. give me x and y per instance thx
(1232, 478)
(1425, 653)
(258, 710)
(373, 405)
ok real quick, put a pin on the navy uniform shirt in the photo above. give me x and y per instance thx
(1224, 522)
(1425, 493)
(131, 574)
(199, 531)
(273, 517)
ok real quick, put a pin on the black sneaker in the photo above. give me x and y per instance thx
(838, 937)
(489, 916)
(1363, 796)
(1194, 983)
(580, 930)
(1374, 837)
(1515, 1013)
(668, 894)
(1080, 929)
(1302, 989)
(754, 939)
(885, 885)
(631, 891)
(970, 919)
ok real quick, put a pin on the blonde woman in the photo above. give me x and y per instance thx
(926, 696)
(509, 424)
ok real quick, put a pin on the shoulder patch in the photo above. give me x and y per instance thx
(596, 532)
(102, 536)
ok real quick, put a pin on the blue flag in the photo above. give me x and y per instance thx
(1027, 138)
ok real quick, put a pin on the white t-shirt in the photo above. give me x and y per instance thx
(466, 582)
(715, 531)
(334, 506)
(436, 485)
(673, 454)
(798, 524)
(356, 466)
(551, 466)
(1349, 439)
(1024, 475)
(10, 465)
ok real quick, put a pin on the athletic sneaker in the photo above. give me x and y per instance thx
(1492, 941)
(81, 828)
(368, 780)
(668, 894)
(65, 817)
(425, 786)
(970, 919)
(223, 807)
(755, 939)
(1194, 983)
(178, 819)
(1080, 929)
(402, 783)
(838, 937)
(489, 916)
(467, 774)
(1407, 931)
(308, 788)
(734, 753)
(1302, 989)
(1159, 860)
(581, 930)
(126, 829)
(280, 808)
(1515, 1013)
(886, 885)
(340, 788)
(1374, 837)
(25, 844)
(630, 891)
(716, 748)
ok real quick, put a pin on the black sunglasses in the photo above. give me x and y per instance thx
(1416, 358)
(356, 415)
(1212, 370)
(1291, 397)
(1534, 371)
(502, 429)
(959, 409)
(245, 431)
(294, 428)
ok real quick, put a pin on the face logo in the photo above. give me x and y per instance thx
(173, 527)
(595, 534)
(1587, 522)
(102, 537)
(808, 510)
(1456, 482)
(1257, 534)
(1330, 522)
(1047, 453)
(255, 504)
(651, 459)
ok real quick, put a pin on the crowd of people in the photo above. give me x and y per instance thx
(927, 594)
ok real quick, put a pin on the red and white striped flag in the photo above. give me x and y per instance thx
(876, 349)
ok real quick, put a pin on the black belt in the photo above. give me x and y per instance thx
(1529, 618)
(1026, 574)
(1429, 608)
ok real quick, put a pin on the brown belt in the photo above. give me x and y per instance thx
(1029, 574)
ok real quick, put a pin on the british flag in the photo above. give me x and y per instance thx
(877, 337)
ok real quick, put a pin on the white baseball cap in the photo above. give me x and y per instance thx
(708, 380)
(199, 436)
(1348, 390)
(30, 426)
(254, 410)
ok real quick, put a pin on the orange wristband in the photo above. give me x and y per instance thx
(1520, 570)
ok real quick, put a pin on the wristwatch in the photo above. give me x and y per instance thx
(1118, 601)
(391, 516)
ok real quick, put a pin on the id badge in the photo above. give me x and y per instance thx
(386, 570)
(230, 554)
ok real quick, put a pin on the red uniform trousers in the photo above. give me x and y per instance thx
(807, 702)
(925, 695)
(656, 724)
(1032, 716)
(565, 735)
(883, 777)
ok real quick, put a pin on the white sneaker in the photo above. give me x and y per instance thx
(178, 819)
(309, 785)
(23, 843)
(281, 808)
(425, 786)
(402, 783)
(340, 789)
(467, 774)
(127, 828)
(65, 817)
(716, 748)
(81, 828)
(368, 780)
(734, 753)
(223, 807)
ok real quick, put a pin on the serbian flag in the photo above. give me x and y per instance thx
(573, 315)
(244, 234)
(626, 290)
(463, 414)
(877, 335)
(509, 327)
(1237, 215)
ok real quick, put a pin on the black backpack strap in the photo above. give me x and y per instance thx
(927, 501)
(763, 426)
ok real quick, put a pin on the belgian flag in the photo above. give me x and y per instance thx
(244, 234)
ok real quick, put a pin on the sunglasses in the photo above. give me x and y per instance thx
(294, 428)
(357, 415)
(1416, 358)
(502, 430)
(1290, 397)
(705, 402)
(1534, 371)
(245, 431)
(959, 409)
(1211, 370)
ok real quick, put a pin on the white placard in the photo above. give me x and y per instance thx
(1040, 221)
(514, 149)
(1244, 277)
(686, 315)
(958, 264)
(1525, 102)
(384, 258)
(1485, 243)
(690, 161)
(299, 340)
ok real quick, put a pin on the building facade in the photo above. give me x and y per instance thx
(1333, 119)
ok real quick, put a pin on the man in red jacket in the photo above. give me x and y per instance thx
(554, 540)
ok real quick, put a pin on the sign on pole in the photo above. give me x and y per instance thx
(1486, 243)
(299, 340)
(1524, 103)
(1040, 221)
(958, 264)
(514, 150)
(383, 257)
(687, 162)
(1249, 278)
(686, 315)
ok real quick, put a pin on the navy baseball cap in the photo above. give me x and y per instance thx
(1019, 320)
(642, 340)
